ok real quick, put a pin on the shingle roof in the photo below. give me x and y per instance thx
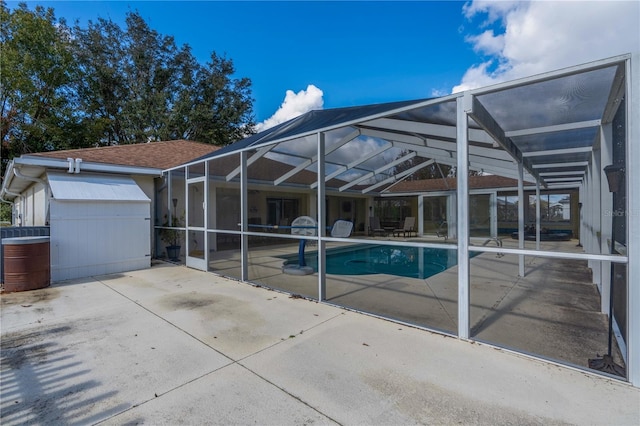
(158, 155)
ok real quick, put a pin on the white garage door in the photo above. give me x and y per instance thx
(99, 225)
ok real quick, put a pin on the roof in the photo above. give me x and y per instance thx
(549, 123)
(157, 155)
(315, 120)
(134, 159)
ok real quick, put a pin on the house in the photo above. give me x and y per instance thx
(97, 202)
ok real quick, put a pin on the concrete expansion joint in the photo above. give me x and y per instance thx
(296, 397)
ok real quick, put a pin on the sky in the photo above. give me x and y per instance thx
(304, 55)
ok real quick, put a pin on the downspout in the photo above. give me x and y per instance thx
(46, 190)
(5, 182)
(13, 209)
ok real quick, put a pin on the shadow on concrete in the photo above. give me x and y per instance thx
(41, 383)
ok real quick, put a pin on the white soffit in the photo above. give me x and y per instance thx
(78, 187)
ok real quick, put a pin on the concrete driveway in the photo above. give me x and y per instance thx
(171, 345)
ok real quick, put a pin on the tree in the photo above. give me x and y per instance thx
(138, 86)
(222, 107)
(64, 87)
(37, 73)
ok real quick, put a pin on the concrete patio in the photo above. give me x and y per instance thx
(172, 345)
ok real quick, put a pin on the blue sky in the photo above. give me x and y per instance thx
(355, 53)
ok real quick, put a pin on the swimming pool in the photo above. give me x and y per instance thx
(412, 262)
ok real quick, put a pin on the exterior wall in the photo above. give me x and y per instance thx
(31, 210)
(147, 184)
(94, 238)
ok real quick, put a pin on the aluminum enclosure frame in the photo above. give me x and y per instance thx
(530, 168)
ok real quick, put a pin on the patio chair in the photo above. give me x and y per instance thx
(408, 227)
(342, 229)
(374, 226)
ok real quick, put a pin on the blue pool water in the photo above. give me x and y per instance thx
(412, 262)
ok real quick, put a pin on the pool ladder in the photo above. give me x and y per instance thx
(496, 240)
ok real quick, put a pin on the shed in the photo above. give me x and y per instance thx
(97, 202)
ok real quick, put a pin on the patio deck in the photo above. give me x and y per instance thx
(172, 345)
(553, 312)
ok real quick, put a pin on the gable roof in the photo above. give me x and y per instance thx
(140, 159)
(157, 155)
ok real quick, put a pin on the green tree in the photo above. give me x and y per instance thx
(63, 87)
(37, 71)
(138, 86)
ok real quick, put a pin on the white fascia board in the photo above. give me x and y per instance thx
(114, 168)
(58, 163)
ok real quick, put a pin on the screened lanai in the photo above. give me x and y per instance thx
(499, 215)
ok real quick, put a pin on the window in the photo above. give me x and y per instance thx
(553, 208)
(282, 211)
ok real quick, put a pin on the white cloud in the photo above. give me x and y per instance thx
(487, 42)
(541, 36)
(294, 104)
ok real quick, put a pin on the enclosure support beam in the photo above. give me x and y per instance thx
(244, 247)
(420, 215)
(606, 204)
(255, 157)
(633, 217)
(205, 213)
(521, 217)
(596, 216)
(398, 177)
(493, 214)
(464, 106)
(355, 163)
(322, 221)
(485, 120)
(537, 215)
(351, 136)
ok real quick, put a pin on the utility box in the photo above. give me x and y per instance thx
(27, 264)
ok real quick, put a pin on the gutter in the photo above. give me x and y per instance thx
(87, 166)
(72, 166)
